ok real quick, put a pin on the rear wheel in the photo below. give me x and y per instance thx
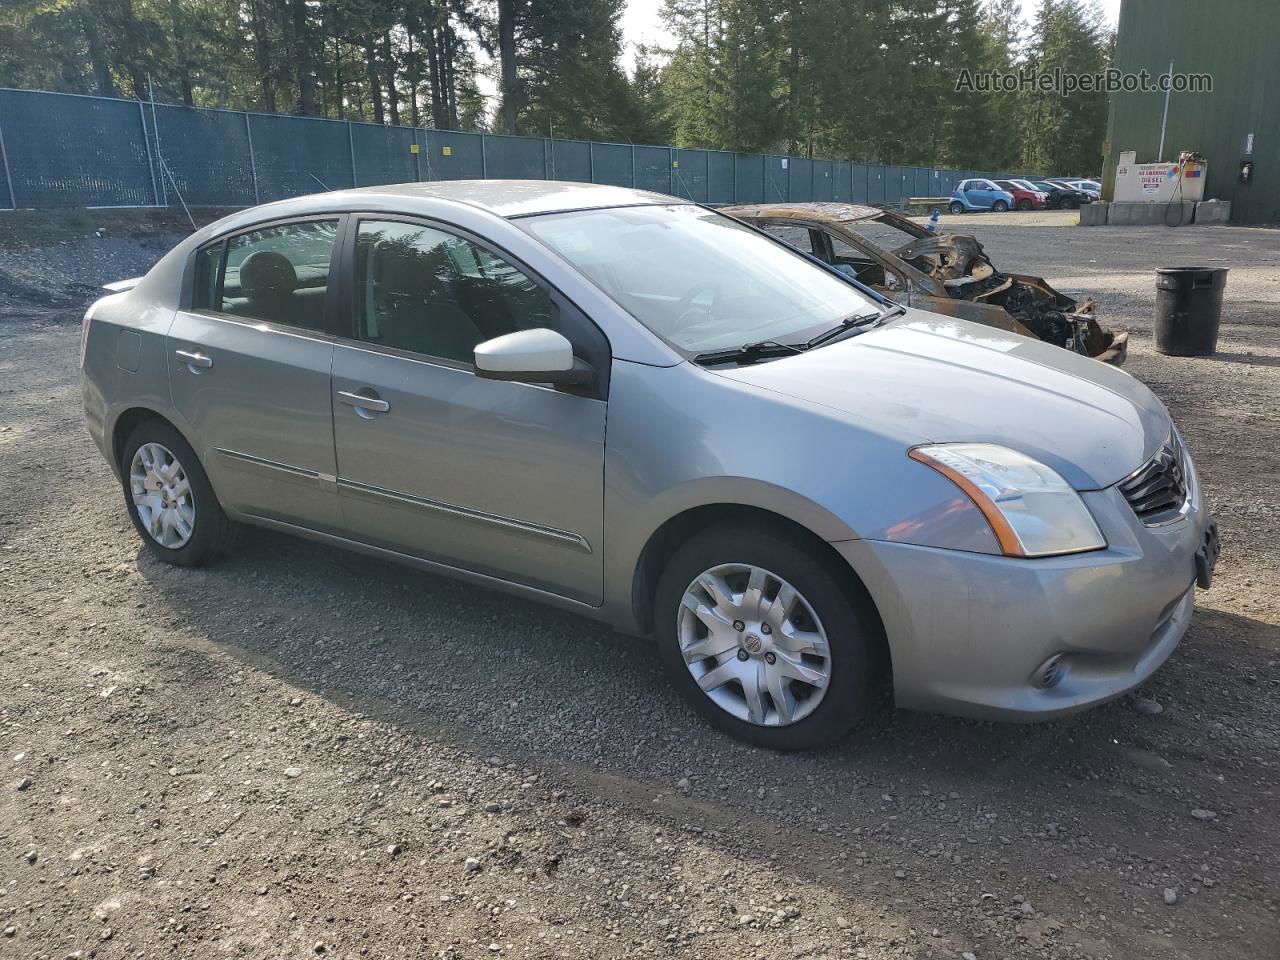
(169, 497)
(1000, 206)
(764, 640)
(956, 207)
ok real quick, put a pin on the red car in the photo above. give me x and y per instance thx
(1023, 199)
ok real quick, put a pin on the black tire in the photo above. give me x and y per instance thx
(956, 207)
(213, 532)
(1024, 204)
(1068, 203)
(852, 630)
(999, 206)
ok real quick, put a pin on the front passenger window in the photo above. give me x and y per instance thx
(434, 293)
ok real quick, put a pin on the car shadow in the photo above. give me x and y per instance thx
(576, 704)
(451, 658)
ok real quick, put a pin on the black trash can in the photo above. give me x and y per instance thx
(1188, 309)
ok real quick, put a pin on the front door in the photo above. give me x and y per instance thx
(503, 479)
(249, 366)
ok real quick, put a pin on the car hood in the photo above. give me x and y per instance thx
(928, 378)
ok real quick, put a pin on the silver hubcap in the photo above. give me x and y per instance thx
(754, 645)
(162, 495)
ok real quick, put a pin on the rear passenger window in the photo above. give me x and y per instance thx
(279, 274)
(434, 293)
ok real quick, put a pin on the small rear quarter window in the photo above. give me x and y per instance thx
(204, 294)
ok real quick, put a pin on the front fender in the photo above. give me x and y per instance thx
(684, 437)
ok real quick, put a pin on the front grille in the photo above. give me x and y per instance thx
(1157, 490)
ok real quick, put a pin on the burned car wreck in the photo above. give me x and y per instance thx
(941, 272)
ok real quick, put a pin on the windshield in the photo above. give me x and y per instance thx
(700, 280)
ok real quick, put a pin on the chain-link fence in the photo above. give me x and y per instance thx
(67, 150)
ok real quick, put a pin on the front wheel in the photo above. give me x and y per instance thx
(956, 207)
(999, 206)
(1068, 203)
(169, 497)
(764, 639)
(1024, 204)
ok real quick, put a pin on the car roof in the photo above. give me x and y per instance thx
(510, 198)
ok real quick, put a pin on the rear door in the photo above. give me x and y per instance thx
(499, 478)
(250, 358)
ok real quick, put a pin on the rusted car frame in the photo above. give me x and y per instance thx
(941, 272)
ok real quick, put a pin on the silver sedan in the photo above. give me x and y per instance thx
(652, 414)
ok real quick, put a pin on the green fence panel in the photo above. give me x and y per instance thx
(205, 153)
(299, 155)
(612, 163)
(70, 151)
(690, 175)
(777, 179)
(841, 181)
(571, 160)
(799, 179)
(823, 177)
(892, 183)
(877, 177)
(748, 172)
(384, 154)
(514, 158)
(6, 195)
(857, 183)
(653, 169)
(721, 177)
(451, 155)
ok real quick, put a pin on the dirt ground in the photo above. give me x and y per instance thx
(301, 752)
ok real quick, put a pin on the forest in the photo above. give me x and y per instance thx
(862, 80)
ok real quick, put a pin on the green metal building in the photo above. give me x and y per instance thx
(1236, 127)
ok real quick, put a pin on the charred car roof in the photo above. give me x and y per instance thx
(824, 212)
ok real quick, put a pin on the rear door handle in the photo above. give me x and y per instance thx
(365, 405)
(193, 358)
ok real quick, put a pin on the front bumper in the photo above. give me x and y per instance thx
(976, 635)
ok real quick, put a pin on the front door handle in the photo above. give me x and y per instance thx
(365, 405)
(194, 359)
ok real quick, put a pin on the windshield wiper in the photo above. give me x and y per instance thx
(853, 322)
(748, 353)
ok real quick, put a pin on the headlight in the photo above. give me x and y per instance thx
(1032, 511)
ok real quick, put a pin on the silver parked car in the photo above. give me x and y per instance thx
(650, 413)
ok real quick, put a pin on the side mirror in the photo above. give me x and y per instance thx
(532, 356)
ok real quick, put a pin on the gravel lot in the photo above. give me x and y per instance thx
(300, 752)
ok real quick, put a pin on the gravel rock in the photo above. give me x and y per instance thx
(471, 865)
(1202, 814)
(1170, 896)
(1147, 707)
(293, 772)
(24, 783)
